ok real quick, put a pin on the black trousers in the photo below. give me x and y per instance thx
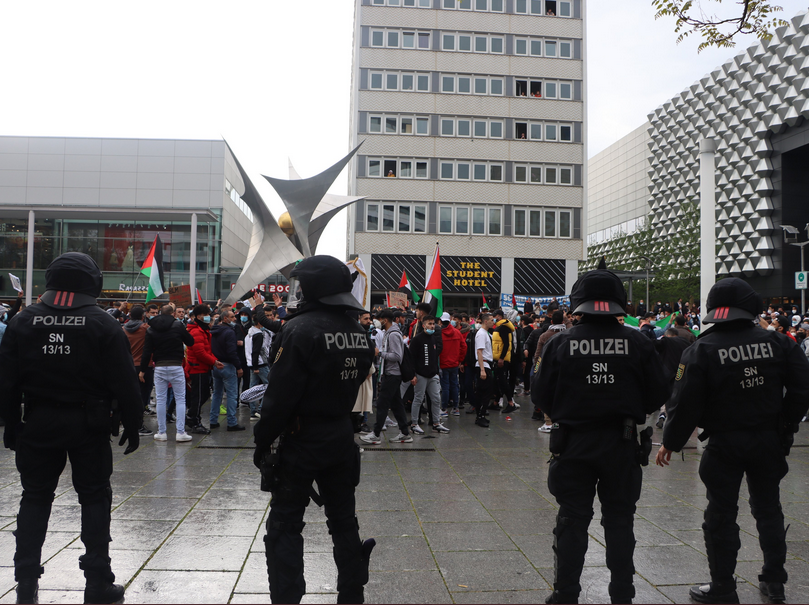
(484, 390)
(146, 387)
(727, 458)
(504, 383)
(593, 462)
(52, 434)
(197, 396)
(336, 478)
(390, 398)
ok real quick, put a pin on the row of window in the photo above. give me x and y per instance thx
(471, 42)
(465, 170)
(396, 218)
(388, 38)
(470, 85)
(234, 195)
(542, 222)
(537, 47)
(625, 228)
(469, 127)
(551, 8)
(401, 217)
(468, 42)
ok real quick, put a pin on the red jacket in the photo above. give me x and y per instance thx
(200, 358)
(454, 351)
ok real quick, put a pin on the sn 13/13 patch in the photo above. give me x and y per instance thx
(281, 350)
(680, 372)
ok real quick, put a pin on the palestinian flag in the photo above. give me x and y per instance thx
(485, 304)
(152, 268)
(406, 287)
(514, 301)
(433, 294)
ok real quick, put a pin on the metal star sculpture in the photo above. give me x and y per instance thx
(310, 208)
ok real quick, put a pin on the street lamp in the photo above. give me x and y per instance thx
(791, 237)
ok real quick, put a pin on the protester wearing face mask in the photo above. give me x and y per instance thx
(426, 348)
(200, 362)
(451, 359)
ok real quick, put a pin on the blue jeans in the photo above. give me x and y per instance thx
(256, 379)
(224, 379)
(449, 387)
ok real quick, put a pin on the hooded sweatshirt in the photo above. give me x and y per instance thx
(135, 331)
(164, 342)
(425, 354)
(501, 340)
(454, 350)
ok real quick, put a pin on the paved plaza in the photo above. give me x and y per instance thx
(465, 517)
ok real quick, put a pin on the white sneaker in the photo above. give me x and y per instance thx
(415, 428)
(389, 422)
(371, 439)
(182, 437)
(545, 428)
(440, 428)
(402, 438)
(160, 437)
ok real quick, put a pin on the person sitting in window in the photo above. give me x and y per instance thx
(538, 95)
(550, 13)
(390, 173)
(522, 94)
(522, 136)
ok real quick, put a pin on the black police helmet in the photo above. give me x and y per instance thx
(72, 280)
(327, 280)
(730, 299)
(598, 292)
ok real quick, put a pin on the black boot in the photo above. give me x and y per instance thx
(561, 597)
(774, 591)
(103, 592)
(714, 593)
(28, 590)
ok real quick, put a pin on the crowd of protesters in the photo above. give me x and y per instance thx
(426, 366)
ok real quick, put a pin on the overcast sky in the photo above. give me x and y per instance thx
(273, 77)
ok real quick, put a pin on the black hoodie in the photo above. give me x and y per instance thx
(425, 354)
(164, 340)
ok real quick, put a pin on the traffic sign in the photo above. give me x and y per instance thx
(801, 279)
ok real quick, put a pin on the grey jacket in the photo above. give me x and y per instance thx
(391, 351)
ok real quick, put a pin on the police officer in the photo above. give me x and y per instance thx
(67, 360)
(748, 389)
(596, 381)
(322, 356)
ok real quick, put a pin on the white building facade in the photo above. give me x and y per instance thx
(471, 115)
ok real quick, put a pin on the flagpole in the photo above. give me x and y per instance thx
(137, 277)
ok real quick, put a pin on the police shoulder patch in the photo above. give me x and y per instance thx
(536, 366)
(280, 350)
(680, 371)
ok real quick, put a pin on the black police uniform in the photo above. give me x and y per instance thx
(731, 383)
(595, 380)
(66, 359)
(322, 357)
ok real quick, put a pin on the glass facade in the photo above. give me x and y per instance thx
(119, 248)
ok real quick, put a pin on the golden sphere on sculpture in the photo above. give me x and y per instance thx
(285, 222)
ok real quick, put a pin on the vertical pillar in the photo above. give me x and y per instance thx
(192, 271)
(29, 261)
(707, 203)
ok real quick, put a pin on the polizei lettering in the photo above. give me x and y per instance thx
(761, 350)
(599, 346)
(346, 340)
(59, 320)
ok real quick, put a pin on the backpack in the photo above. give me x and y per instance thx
(406, 366)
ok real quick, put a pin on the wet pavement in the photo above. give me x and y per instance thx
(465, 517)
